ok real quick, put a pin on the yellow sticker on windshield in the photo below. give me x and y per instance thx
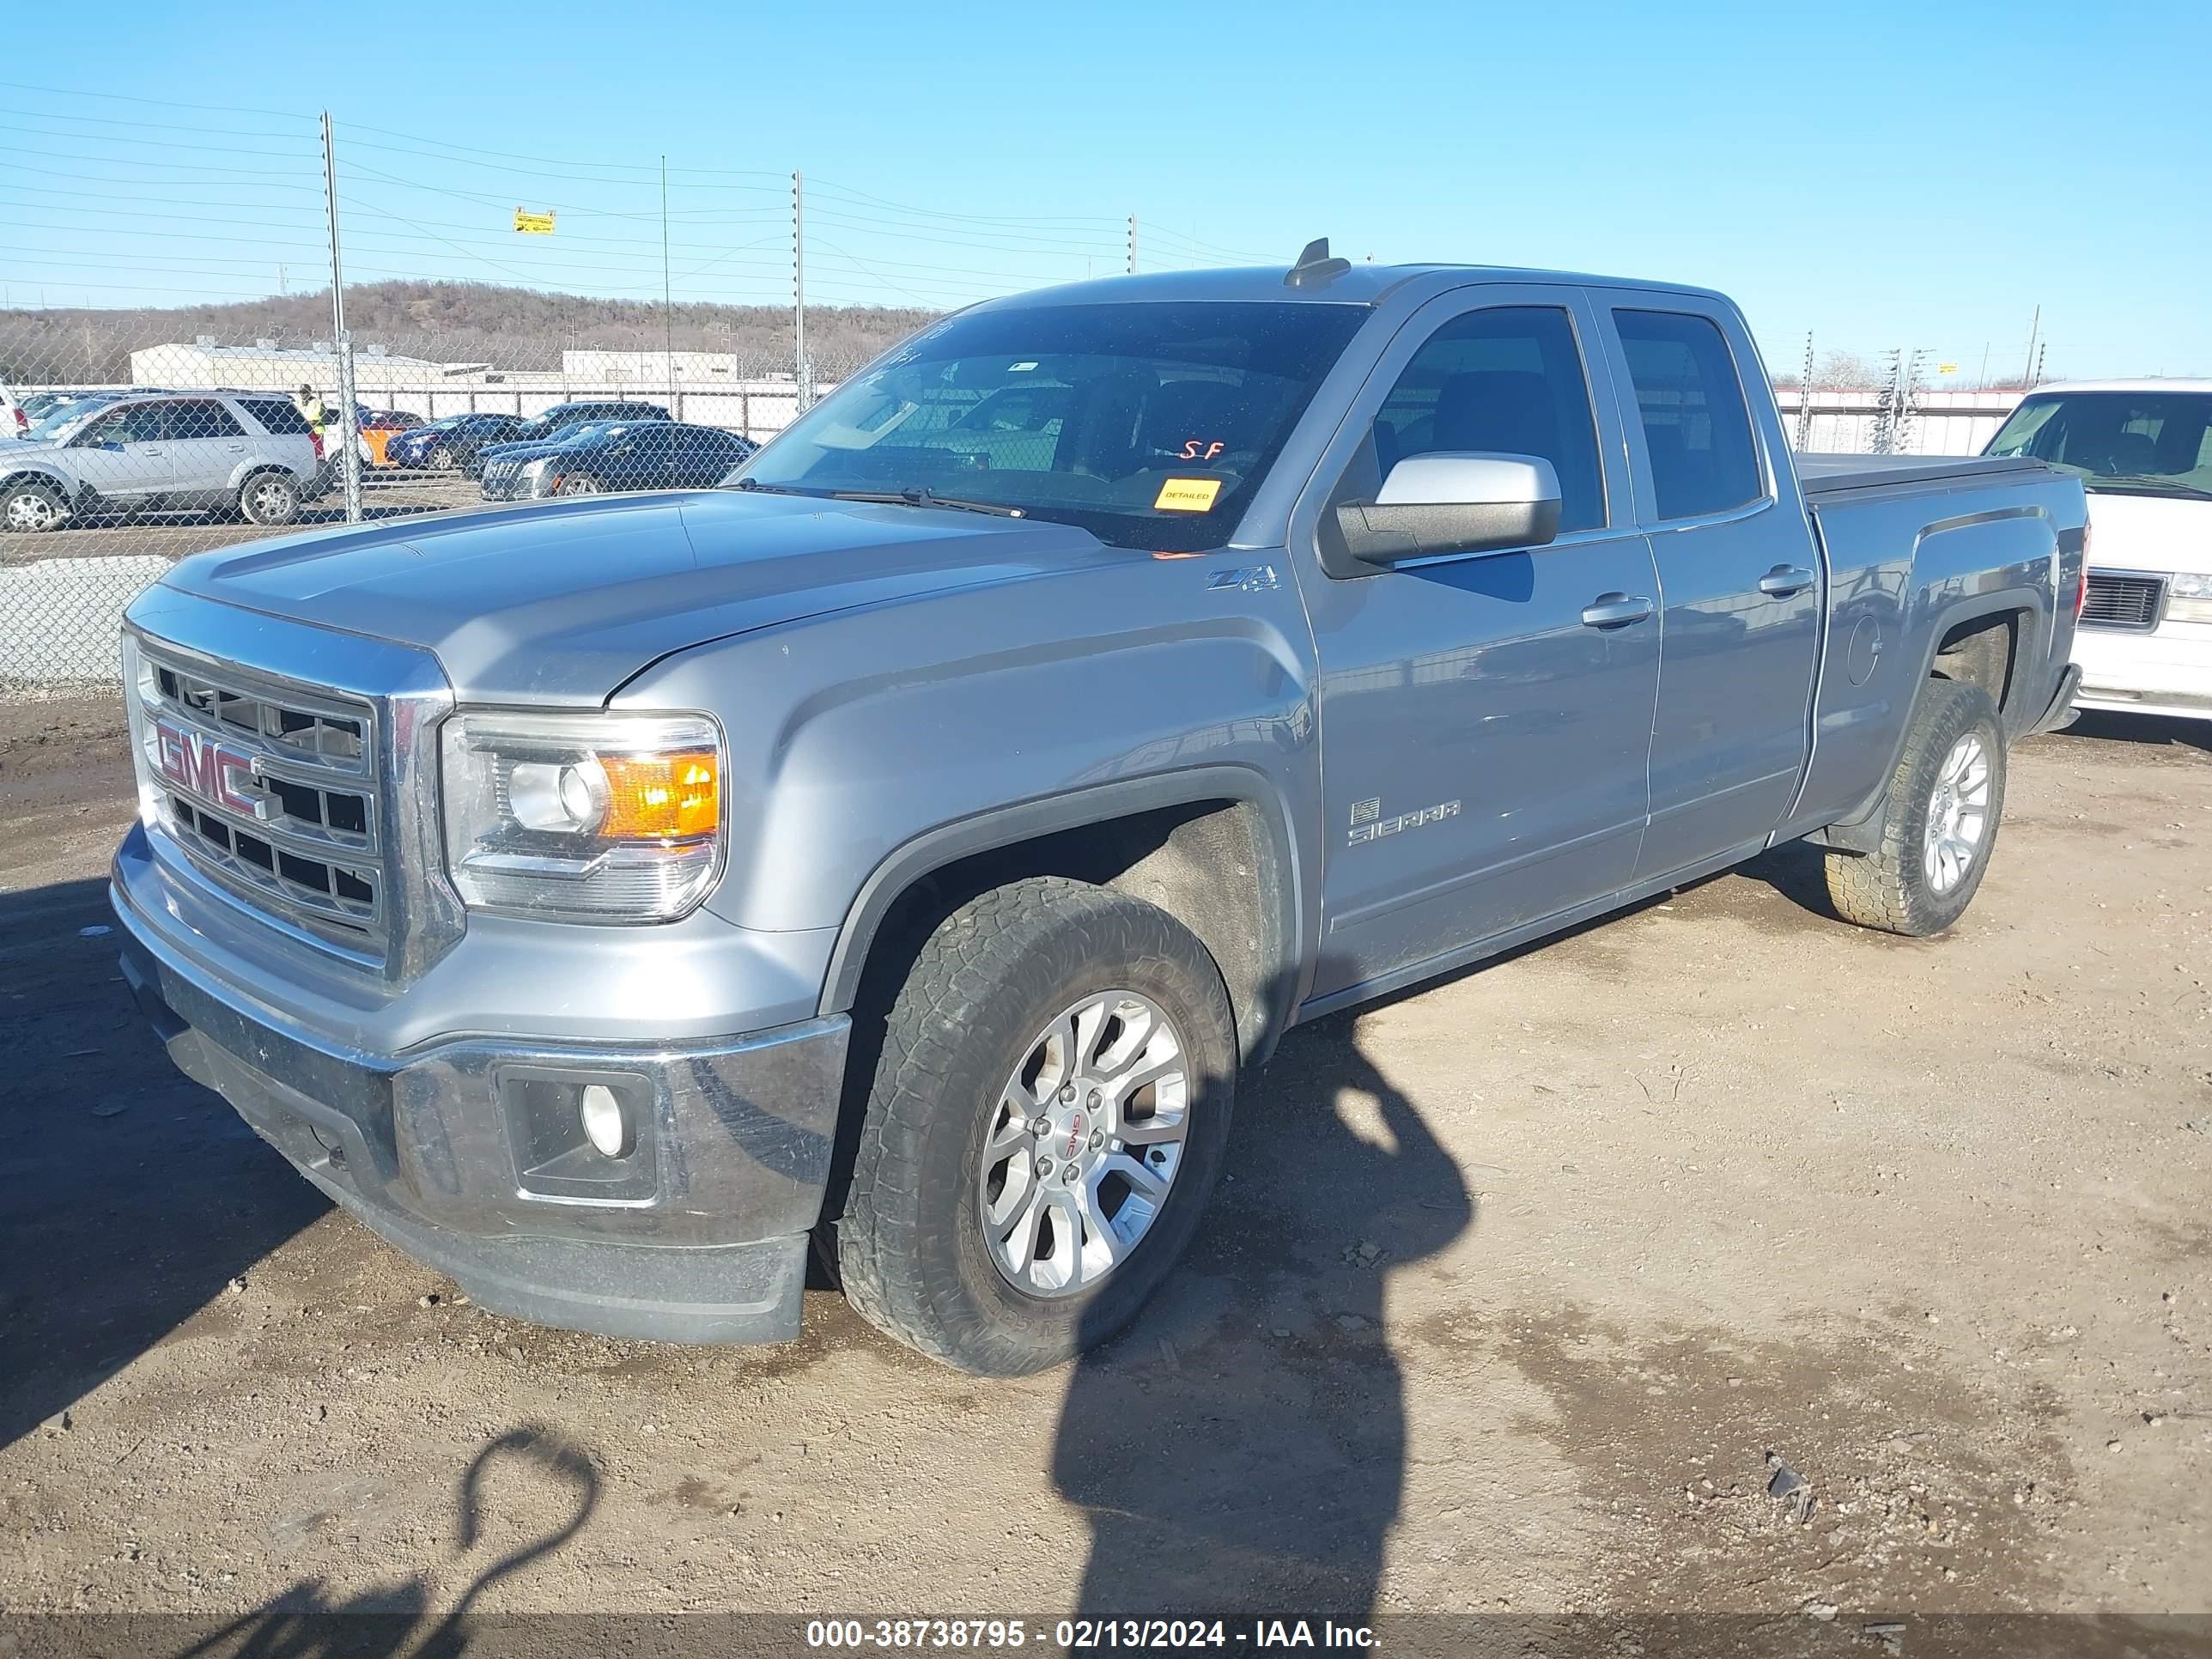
(1188, 496)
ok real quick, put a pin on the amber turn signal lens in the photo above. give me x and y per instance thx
(662, 797)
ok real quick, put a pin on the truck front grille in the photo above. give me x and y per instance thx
(269, 788)
(2123, 600)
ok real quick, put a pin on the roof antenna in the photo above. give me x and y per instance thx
(1315, 267)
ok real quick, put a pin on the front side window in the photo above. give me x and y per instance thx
(1696, 426)
(1150, 425)
(2141, 443)
(134, 424)
(1507, 380)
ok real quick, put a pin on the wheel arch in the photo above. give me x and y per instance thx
(1210, 846)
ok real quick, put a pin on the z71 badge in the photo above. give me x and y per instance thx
(1368, 822)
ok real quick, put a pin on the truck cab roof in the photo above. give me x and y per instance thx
(1361, 284)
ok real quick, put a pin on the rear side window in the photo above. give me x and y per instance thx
(1697, 428)
(277, 416)
(1505, 380)
(202, 417)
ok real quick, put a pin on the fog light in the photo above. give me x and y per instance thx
(605, 1124)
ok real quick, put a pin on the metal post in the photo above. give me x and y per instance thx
(800, 373)
(2034, 328)
(349, 457)
(1133, 245)
(667, 302)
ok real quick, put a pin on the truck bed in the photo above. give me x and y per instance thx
(1833, 475)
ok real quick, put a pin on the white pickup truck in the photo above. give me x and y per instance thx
(2143, 451)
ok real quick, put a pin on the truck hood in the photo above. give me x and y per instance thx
(2149, 532)
(561, 602)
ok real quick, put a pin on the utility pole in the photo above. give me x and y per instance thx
(667, 301)
(1133, 245)
(348, 456)
(1805, 398)
(801, 373)
(2027, 370)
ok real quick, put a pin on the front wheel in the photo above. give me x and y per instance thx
(577, 483)
(1047, 1119)
(29, 508)
(441, 459)
(1945, 800)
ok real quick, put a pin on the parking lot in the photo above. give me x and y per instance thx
(173, 535)
(1526, 1289)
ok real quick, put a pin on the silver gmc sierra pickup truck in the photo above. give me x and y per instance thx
(907, 844)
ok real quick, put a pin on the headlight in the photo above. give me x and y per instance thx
(2189, 599)
(599, 817)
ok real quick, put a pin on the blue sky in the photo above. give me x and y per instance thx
(1883, 176)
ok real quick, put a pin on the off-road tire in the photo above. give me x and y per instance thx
(35, 496)
(1890, 888)
(259, 504)
(910, 1246)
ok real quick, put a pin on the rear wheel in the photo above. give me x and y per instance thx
(29, 508)
(1046, 1122)
(1945, 800)
(270, 499)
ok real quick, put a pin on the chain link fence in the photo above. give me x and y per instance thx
(221, 324)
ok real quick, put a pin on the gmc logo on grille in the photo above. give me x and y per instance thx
(208, 769)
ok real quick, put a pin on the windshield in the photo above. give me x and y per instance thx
(2124, 442)
(1149, 425)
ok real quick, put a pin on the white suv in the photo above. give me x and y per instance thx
(2143, 451)
(247, 454)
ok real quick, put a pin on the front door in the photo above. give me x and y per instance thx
(123, 457)
(1484, 718)
(1742, 585)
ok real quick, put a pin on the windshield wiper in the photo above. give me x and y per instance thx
(765, 488)
(922, 496)
(2146, 480)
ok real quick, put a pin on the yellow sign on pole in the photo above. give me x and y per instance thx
(1947, 368)
(535, 224)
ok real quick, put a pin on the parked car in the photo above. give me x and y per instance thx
(374, 429)
(562, 419)
(615, 455)
(578, 894)
(250, 455)
(2143, 451)
(450, 441)
(41, 407)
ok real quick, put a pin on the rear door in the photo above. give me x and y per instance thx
(1484, 725)
(123, 455)
(206, 445)
(1737, 568)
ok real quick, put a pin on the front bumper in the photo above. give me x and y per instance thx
(2165, 671)
(454, 1153)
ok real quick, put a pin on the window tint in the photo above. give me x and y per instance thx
(1507, 380)
(277, 416)
(1696, 428)
(202, 417)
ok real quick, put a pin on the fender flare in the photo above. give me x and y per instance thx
(1862, 832)
(1004, 826)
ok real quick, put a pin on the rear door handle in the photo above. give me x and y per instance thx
(237, 449)
(1615, 610)
(1784, 580)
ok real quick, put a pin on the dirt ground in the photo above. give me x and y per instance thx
(1527, 1289)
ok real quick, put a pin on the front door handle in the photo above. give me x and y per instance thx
(1615, 610)
(237, 449)
(1785, 579)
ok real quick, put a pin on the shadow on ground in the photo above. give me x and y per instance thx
(133, 1196)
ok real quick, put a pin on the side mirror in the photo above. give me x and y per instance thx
(1453, 503)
